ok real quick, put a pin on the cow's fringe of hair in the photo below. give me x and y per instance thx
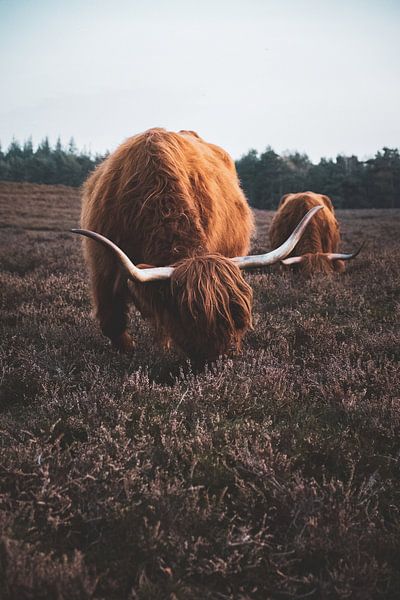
(319, 263)
(204, 311)
(214, 304)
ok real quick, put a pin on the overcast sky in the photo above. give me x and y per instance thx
(310, 75)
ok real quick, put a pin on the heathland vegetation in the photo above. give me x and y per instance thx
(270, 474)
(265, 177)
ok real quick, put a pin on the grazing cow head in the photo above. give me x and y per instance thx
(210, 306)
(317, 250)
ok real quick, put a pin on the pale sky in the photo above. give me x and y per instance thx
(309, 75)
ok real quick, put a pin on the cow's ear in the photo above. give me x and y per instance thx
(328, 202)
(145, 266)
(283, 200)
(190, 132)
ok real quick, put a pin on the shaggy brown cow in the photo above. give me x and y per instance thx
(172, 199)
(317, 251)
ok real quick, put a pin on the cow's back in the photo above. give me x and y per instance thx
(322, 233)
(164, 196)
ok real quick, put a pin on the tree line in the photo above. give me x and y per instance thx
(46, 164)
(350, 182)
(265, 177)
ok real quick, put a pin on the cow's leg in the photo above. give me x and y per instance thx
(110, 297)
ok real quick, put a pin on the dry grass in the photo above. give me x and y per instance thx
(274, 474)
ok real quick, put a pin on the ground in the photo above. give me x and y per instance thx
(272, 474)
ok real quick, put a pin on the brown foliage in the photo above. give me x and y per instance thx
(321, 236)
(164, 197)
(271, 474)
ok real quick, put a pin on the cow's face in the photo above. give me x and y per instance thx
(210, 306)
(319, 263)
(204, 310)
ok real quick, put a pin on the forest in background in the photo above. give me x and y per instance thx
(48, 164)
(265, 177)
(350, 182)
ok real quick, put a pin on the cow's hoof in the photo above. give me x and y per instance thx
(124, 343)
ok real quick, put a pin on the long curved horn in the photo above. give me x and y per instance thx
(330, 255)
(143, 275)
(337, 256)
(261, 260)
(292, 260)
(243, 262)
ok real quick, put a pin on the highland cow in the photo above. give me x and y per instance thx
(317, 251)
(180, 228)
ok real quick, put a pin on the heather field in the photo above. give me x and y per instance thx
(270, 475)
